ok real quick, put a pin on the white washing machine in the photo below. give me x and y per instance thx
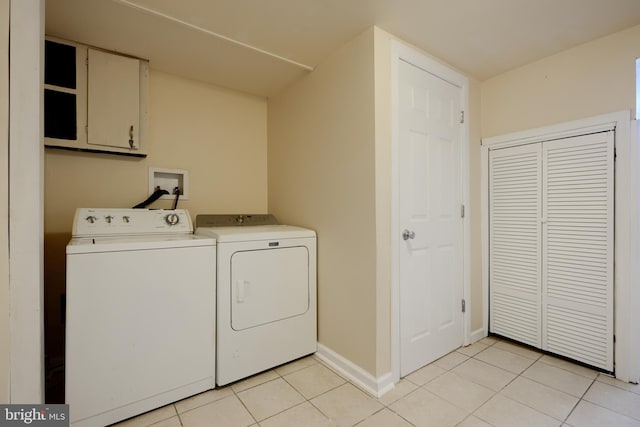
(266, 302)
(140, 313)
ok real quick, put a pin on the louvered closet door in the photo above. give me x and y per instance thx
(578, 248)
(515, 243)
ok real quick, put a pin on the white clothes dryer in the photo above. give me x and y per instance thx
(140, 304)
(266, 293)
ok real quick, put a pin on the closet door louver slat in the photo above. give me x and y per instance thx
(515, 243)
(577, 264)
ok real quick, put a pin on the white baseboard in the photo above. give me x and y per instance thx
(354, 373)
(477, 335)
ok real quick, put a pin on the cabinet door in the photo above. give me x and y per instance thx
(113, 100)
(578, 248)
(515, 243)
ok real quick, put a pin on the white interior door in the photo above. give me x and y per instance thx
(430, 200)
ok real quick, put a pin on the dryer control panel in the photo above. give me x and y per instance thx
(91, 222)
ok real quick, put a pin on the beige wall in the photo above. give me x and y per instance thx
(5, 327)
(321, 164)
(330, 169)
(218, 135)
(595, 78)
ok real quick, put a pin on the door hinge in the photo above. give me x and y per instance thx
(462, 116)
(461, 211)
(464, 306)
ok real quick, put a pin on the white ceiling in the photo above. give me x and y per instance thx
(260, 46)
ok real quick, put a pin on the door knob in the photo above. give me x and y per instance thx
(407, 234)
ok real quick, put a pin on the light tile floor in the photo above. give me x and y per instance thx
(490, 383)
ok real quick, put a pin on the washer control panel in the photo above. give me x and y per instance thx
(114, 222)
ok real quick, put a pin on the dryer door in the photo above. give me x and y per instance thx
(268, 285)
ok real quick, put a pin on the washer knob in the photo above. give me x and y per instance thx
(172, 219)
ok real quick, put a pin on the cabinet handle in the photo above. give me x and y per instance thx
(131, 143)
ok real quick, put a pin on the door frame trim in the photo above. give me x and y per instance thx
(402, 52)
(626, 240)
(26, 202)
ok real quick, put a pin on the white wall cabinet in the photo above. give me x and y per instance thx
(551, 213)
(94, 100)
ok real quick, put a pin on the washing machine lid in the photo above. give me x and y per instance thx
(255, 232)
(100, 244)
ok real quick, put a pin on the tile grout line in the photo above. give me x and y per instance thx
(517, 375)
(604, 407)
(323, 393)
(284, 410)
(390, 410)
(236, 395)
(306, 400)
(423, 387)
(539, 359)
(418, 386)
(388, 407)
(178, 413)
(505, 386)
(341, 385)
(348, 381)
(580, 400)
(243, 404)
(319, 410)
